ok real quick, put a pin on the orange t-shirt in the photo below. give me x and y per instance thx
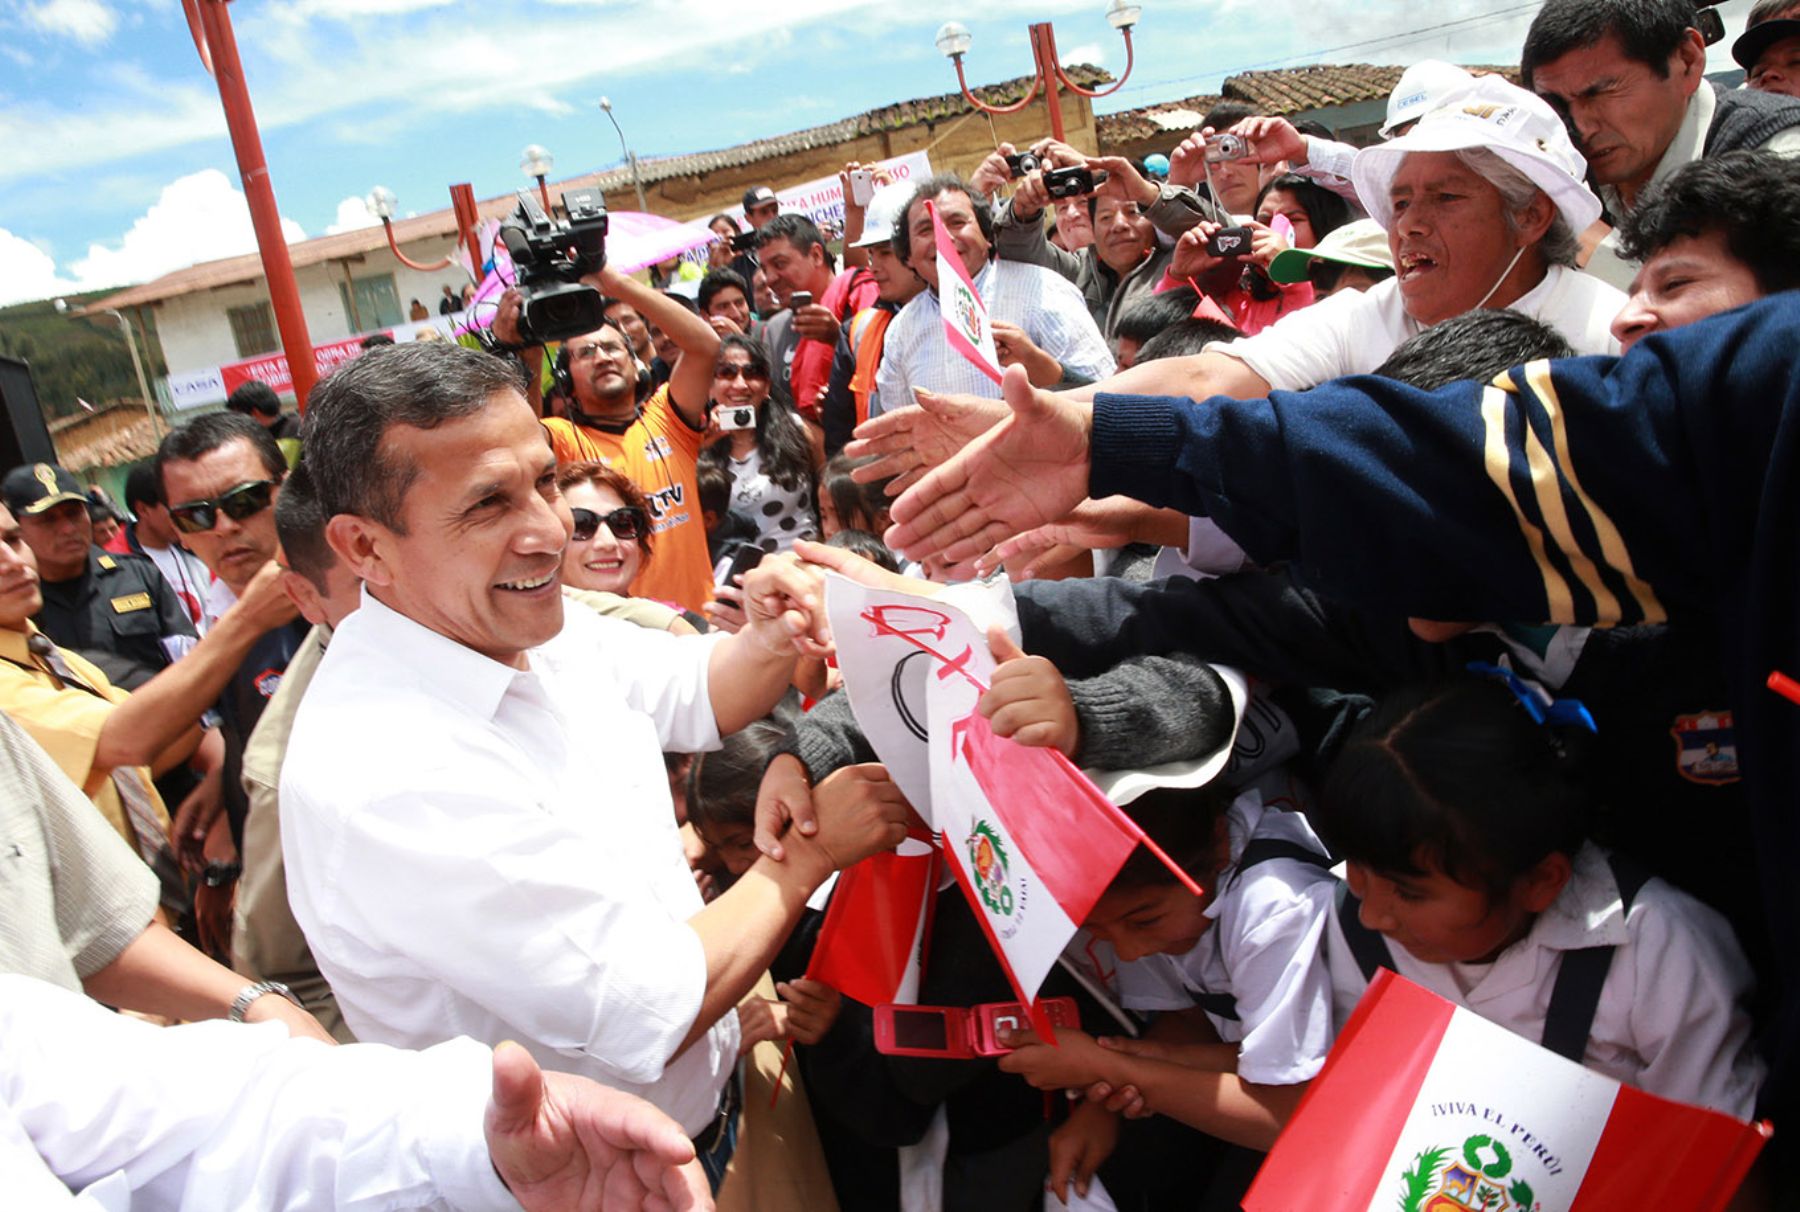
(660, 453)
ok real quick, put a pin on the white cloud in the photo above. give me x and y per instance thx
(89, 22)
(352, 213)
(1091, 53)
(199, 217)
(27, 272)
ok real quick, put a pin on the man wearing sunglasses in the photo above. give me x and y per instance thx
(221, 474)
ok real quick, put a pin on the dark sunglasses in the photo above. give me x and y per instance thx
(245, 501)
(748, 374)
(628, 522)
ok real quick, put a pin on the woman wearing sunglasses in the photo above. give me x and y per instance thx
(773, 464)
(611, 545)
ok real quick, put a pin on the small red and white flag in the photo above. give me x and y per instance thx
(874, 930)
(1426, 1107)
(966, 324)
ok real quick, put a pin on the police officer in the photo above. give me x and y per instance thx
(115, 610)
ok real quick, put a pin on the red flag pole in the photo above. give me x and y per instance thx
(265, 217)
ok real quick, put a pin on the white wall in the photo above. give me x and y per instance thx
(196, 334)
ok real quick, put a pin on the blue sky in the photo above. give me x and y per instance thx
(116, 167)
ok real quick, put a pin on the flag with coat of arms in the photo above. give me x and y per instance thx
(1423, 1106)
(966, 323)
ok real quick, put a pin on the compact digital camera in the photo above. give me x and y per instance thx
(743, 417)
(1229, 242)
(1024, 162)
(1074, 181)
(1221, 149)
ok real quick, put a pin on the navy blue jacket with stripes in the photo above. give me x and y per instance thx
(1593, 490)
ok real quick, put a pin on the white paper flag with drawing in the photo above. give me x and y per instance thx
(1031, 841)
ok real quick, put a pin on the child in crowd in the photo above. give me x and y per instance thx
(1237, 977)
(725, 526)
(1462, 821)
(846, 505)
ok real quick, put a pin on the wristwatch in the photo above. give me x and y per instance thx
(240, 1005)
(218, 874)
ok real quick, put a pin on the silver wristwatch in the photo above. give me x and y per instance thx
(240, 1005)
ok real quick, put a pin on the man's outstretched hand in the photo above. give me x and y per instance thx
(567, 1143)
(1029, 470)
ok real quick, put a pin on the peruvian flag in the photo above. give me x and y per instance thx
(1029, 839)
(869, 944)
(1426, 1107)
(966, 324)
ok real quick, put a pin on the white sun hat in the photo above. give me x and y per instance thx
(1518, 126)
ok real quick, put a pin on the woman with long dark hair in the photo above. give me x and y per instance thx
(765, 447)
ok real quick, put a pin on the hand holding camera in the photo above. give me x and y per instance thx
(551, 257)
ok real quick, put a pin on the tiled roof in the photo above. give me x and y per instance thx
(1288, 90)
(85, 440)
(441, 224)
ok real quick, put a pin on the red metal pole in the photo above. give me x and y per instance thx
(468, 218)
(278, 269)
(1043, 48)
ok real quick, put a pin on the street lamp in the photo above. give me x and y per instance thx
(382, 203)
(137, 365)
(953, 41)
(536, 161)
(630, 156)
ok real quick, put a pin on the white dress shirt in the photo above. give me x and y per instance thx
(1041, 301)
(478, 850)
(100, 1111)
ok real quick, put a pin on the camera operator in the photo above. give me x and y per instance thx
(653, 436)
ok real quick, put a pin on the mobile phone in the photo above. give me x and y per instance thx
(1073, 181)
(1229, 242)
(744, 241)
(862, 186)
(799, 299)
(961, 1032)
(743, 558)
(1710, 25)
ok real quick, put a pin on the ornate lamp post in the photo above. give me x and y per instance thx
(953, 40)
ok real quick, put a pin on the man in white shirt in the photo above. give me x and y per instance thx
(1061, 341)
(107, 1112)
(477, 824)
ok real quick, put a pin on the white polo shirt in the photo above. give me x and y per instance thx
(1351, 333)
(1265, 950)
(1671, 1018)
(478, 850)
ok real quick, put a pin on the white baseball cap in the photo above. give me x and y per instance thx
(884, 213)
(1517, 125)
(1423, 87)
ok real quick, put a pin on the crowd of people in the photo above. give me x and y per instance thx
(1401, 536)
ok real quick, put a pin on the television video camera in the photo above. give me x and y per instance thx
(550, 257)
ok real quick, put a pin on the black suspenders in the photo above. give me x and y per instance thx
(1574, 998)
(1259, 850)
